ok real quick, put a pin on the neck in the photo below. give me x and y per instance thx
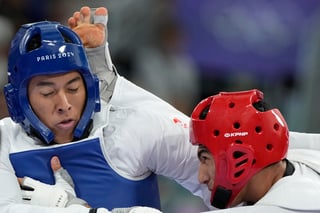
(261, 182)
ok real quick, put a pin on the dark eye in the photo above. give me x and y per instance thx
(47, 93)
(73, 90)
(203, 158)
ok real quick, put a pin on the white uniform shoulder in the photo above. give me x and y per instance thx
(128, 94)
(294, 193)
(304, 140)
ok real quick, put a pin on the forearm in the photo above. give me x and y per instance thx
(101, 65)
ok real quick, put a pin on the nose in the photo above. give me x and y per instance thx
(203, 176)
(63, 104)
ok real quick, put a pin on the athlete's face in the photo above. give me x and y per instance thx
(58, 101)
(206, 168)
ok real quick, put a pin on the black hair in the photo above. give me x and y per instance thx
(261, 106)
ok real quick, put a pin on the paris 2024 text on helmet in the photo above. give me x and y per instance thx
(243, 135)
(44, 48)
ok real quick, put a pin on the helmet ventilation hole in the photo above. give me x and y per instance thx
(244, 160)
(66, 36)
(231, 105)
(253, 161)
(239, 173)
(216, 133)
(204, 113)
(33, 43)
(276, 127)
(236, 125)
(269, 147)
(258, 129)
(238, 142)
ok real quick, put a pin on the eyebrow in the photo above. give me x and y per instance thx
(202, 150)
(48, 83)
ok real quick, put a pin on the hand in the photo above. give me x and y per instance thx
(90, 28)
(61, 194)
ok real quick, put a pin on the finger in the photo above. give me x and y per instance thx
(20, 180)
(77, 17)
(72, 22)
(55, 163)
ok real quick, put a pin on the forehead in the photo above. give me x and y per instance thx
(61, 77)
(202, 148)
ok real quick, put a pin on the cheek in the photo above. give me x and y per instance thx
(202, 169)
(35, 101)
(80, 101)
(202, 173)
(43, 110)
(211, 170)
(38, 104)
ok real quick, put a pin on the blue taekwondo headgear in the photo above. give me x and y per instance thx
(58, 50)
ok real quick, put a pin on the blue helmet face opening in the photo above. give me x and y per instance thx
(45, 48)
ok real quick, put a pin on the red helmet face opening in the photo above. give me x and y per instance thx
(243, 135)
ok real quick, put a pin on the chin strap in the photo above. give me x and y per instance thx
(221, 198)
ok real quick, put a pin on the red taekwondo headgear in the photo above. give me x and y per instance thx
(242, 134)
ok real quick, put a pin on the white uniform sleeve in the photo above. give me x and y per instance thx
(299, 140)
(167, 150)
(173, 156)
(176, 158)
(153, 137)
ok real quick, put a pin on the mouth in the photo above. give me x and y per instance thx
(66, 124)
